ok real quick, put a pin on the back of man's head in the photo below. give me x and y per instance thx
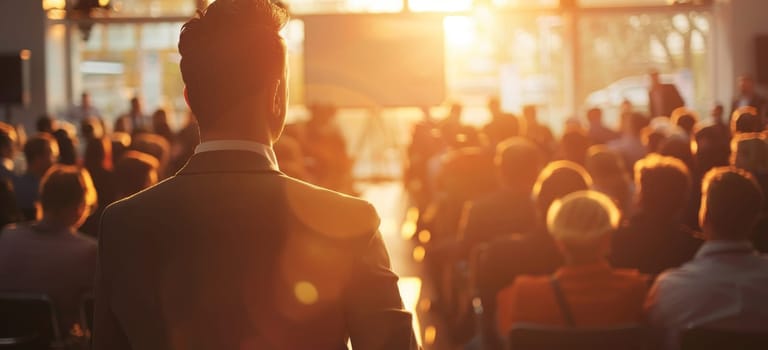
(746, 120)
(66, 189)
(230, 54)
(135, 172)
(519, 162)
(663, 185)
(39, 148)
(595, 116)
(44, 124)
(558, 179)
(731, 204)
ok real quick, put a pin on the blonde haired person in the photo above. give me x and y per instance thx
(587, 291)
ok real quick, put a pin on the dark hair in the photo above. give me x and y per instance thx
(732, 202)
(66, 187)
(746, 120)
(67, 151)
(635, 122)
(98, 154)
(557, 180)
(519, 162)
(686, 121)
(44, 124)
(133, 171)
(664, 185)
(574, 145)
(229, 52)
(38, 146)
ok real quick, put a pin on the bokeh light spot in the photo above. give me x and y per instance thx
(419, 253)
(305, 292)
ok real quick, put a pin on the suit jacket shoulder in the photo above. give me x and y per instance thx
(328, 212)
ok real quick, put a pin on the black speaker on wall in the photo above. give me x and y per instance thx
(761, 59)
(14, 78)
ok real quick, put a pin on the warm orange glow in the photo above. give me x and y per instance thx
(54, 4)
(425, 236)
(419, 253)
(305, 292)
(430, 333)
(25, 54)
(104, 3)
(408, 229)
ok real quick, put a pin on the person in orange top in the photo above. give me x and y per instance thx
(587, 291)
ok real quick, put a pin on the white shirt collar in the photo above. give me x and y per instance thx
(240, 145)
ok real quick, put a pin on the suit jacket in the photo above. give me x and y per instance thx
(669, 100)
(229, 254)
(756, 101)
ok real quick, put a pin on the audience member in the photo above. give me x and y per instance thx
(7, 151)
(611, 177)
(685, 119)
(98, 162)
(525, 253)
(510, 209)
(655, 239)
(713, 143)
(135, 172)
(67, 148)
(747, 96)
(587, 291)
(663, 97)
(574, 145)
(155, 146)
(230, 253)
(46, 124)
(630, 145)
(85, 110)
(41, 152)
(502, 125)
(49, 256)
(536, 132)
(725, 285)
(599, 133)
(134, 121)
(746, 120)
(161, 126)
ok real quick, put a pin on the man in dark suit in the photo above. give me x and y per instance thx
(230, 253)
(663, 98)
(747, 96)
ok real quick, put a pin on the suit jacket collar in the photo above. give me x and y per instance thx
(227, 162)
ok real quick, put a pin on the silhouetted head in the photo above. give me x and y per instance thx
(91, 128)
(45, 124)
(67, 149)
(595, 116)
(85, 100)
(746, 120)
(746, 85)
(574, 145)
(135, 172)
(136, 105)
(519, 162)
(603, 163)
(685, 119)
(731, 204)
(529, 114)
(750, 152)
(663, 186)
(67, 196)
(41, 152)
(154, 145)
(557, 180)
(233, 62)
(98, 154)
(717, 113)
(581, 223)
(633, 123)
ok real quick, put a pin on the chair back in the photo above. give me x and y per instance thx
(532, 337)
(27, 322)
(712, 339)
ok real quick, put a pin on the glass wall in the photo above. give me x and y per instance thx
(616, 53)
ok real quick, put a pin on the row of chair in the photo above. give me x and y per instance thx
(29, 322)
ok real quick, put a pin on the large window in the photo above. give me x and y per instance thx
(618, 51)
